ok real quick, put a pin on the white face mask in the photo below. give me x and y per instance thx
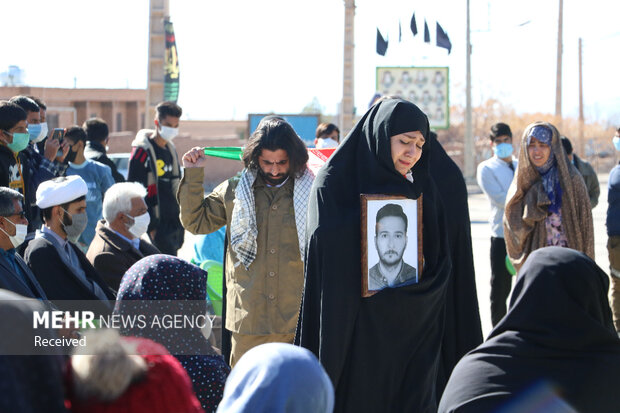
(42, 134)
(140, 224)
(167, 132)
(20, 233)
(325, 143)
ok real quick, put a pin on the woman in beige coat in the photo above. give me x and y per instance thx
(547, 203)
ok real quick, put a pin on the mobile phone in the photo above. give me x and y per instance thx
(59, 133)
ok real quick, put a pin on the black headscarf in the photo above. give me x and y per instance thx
(558, 335)
(381, 352)
(462, 326)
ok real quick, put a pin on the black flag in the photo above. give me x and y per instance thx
(414, 26)
(382, 44)
(442, 39)
(427, 34)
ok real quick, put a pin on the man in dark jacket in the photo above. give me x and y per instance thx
(155, 164)
(14, 272)
(37, 167)
(117, 244)
(13, 127)
(58, 264)
(97, 139)
(586, 171)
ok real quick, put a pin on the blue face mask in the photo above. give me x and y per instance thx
(503, 150)
(616, 141)
(34, 130)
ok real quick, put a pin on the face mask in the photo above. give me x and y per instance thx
(20, 233)
(42, 134)
(167, 132)
(77, 226)
(616, 141)
(20, 141)
(34, 130)
(503, 150)
(70, 155)
(326, 143)
(140, 224)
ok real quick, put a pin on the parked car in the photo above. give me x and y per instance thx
(121, 160)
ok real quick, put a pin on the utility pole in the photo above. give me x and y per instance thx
(159, 10)
(347, 105)
(558, 84)
(468, 148)
(581, 120)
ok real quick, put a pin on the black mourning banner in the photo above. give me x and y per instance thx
(171, 65)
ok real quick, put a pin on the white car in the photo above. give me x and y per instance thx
(121, 160)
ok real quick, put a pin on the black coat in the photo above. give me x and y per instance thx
(13, 282)
(382, 352)
(8, 166)
(462, 326)
(58, 280)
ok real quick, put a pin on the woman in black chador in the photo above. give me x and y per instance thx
(555, 351)
(381, 352)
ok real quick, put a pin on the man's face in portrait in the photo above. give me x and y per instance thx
(391, 239)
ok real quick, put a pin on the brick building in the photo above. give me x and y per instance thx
(124, 112)
(122, 109)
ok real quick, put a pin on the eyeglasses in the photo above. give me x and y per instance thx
(20, 214)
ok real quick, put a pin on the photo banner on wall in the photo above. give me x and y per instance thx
(427, 87)
(171, 65)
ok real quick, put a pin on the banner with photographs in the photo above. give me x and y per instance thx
(427, 87)
(171, 65)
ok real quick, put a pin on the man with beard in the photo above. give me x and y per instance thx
(391, 241)
(61, 268)
(264, 210)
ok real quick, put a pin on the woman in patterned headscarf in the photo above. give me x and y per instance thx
(547, 203)
(161, 286)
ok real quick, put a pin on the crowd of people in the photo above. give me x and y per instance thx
(312, 320)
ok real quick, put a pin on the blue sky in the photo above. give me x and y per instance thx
(244, 56)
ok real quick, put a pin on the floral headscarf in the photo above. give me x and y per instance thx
(167, 284)
(549, 171)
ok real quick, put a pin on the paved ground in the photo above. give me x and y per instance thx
(479, 212)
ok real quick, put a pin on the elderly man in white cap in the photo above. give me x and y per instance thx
(58, 264)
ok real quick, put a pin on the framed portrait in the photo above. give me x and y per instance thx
(391, 242)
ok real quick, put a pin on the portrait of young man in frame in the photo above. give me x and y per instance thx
(391, 242)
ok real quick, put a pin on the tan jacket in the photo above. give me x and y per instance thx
(265, 299)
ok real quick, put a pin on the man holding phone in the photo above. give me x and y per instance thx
(35, 167)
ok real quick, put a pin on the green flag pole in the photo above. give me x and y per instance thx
(226, 152)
